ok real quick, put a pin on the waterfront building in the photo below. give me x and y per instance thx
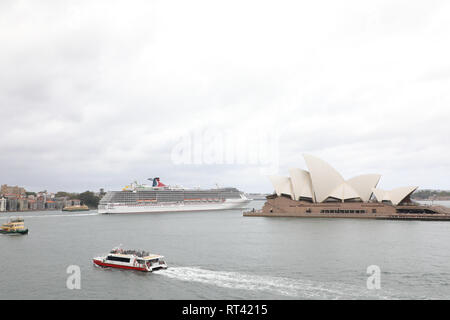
(3, 203)
(322, 183)
(19, 191)
(59, 202)
(22, 204)
(17, 199)
(50, 204)
(32, 204)
(40, 203)
(323, 192)
(11, 204)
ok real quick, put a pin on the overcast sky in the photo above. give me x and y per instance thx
(95, 94)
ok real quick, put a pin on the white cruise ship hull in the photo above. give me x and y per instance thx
(174, 207)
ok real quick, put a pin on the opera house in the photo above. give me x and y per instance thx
(323, 192)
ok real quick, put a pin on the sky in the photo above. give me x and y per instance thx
(96, 94)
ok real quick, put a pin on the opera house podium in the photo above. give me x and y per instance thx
(322, 192)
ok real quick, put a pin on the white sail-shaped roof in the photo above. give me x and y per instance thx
(344, 191)
(323, 182)
(325, 179)
(282, 185)
(301, 183)
(395, 195)
(363, 185)
(398, 194)
(381, 195)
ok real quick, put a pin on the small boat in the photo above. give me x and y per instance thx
(14, 226)
(76, 208)
(131, 259)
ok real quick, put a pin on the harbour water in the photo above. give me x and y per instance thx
(223, 255)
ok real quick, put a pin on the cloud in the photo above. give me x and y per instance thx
(95, 94)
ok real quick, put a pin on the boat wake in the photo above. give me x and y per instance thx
(296, 288)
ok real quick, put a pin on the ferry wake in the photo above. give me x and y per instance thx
(141, 198)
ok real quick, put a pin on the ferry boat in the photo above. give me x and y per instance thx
(131, 259)
(76, 208)
(14, 226)
(140, 198)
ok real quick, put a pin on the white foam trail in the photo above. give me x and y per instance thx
(276, 285)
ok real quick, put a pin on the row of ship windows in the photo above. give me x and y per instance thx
(172, 193)
(148, 203)
(162, 198)
(169, 192)
(172, 196)
(165, 200)
(123, 259)
(167, 197)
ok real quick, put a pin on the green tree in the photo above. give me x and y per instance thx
(67, 194)
(89, 198)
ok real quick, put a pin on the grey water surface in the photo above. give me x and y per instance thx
(223, 255)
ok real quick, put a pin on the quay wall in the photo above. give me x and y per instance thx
(286, 207)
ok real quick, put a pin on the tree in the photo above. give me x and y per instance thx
(67, 194)
(89, 198)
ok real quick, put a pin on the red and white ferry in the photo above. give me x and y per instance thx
(131, 259)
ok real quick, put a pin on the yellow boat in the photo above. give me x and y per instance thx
(14, 226)
(76, 208)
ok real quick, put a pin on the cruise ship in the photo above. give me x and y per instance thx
(141, 198)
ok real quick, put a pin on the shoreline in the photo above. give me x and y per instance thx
(43, 210)
(422, 217)
(286, 207)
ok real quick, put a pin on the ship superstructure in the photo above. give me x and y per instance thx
(161, 198)
(14, 226)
